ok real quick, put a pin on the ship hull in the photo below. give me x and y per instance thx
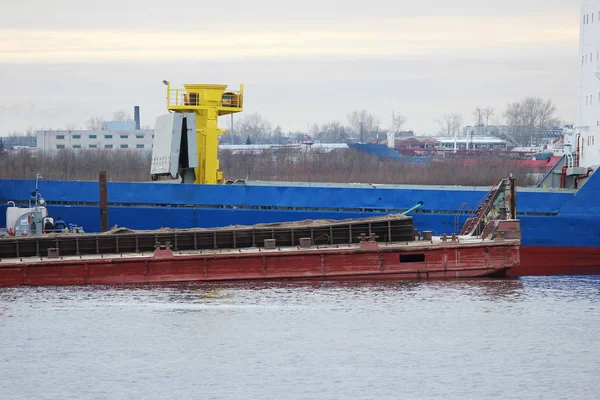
(367, 261)
(544, 260)
(560, 233)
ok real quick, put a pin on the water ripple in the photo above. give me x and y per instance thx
(523, 338)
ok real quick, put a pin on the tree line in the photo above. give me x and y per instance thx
(523, 117)
(284, 165)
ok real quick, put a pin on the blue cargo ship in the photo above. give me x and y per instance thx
(560, 227)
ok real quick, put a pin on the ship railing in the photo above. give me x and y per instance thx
(186, 98)
(464, 208)
(570, 161)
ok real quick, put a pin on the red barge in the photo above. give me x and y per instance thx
(466, 257)
(385, 247)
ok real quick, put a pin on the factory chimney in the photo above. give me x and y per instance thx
(136, 117)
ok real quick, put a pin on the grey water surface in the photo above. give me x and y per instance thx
(529, 338)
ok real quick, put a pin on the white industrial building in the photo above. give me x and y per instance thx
(295, 147)
(471, 143)
(96, 139)
(587, 124)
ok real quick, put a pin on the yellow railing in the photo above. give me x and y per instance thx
(185, 98)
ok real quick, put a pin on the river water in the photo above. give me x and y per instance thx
(469, 339)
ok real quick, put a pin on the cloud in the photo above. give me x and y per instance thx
(397, 37)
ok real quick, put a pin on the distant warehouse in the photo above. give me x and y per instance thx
(113, 135)
(94, 139)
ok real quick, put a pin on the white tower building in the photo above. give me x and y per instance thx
(588, 109)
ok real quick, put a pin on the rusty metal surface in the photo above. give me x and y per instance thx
(365, 261)
(387, 229)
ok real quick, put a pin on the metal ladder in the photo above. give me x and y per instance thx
(481, 210)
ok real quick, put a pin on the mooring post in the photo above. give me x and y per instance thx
(513, 197)
(103, 202)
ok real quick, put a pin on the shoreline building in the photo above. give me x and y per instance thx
(94, 139)
(114, 135)
(587, 124)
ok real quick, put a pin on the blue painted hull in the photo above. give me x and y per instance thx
(549, 217)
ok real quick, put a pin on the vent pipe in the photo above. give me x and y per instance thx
(136, 117)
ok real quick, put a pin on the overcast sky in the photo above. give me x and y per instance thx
(306, 62)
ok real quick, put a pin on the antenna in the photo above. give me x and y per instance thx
(38, 176)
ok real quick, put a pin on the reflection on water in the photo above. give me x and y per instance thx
(488, 338)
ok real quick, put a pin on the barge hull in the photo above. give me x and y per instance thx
(360, 262)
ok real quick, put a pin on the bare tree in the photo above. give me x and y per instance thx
(278, 134)
(332, 132)
(488, 112)
(121, 115)
(532, 111)
(450, 124)
(482, 118)
(479, 116)
(255, 127)
(364, 124)
(313, 130)
(95, 123)
(528, 114)
(398, 120)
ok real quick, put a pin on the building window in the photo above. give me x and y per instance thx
(139, 136)
(77, 146)
(61, 137)
(60, 146)
(76, 136)
(108, 146)
(139, 146)
(93, 136)
(124, 146)
(107, 136)
(93, 146)
(124, 136)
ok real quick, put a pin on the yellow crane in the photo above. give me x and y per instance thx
(207, 102)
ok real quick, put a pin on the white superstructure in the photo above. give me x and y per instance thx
(588, 114)
(95, 140)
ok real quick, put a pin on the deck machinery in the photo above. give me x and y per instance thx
(186, 142)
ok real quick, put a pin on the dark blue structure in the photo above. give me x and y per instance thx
(385, 153)
(549, 217)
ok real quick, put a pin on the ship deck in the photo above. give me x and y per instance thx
(408, 247)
